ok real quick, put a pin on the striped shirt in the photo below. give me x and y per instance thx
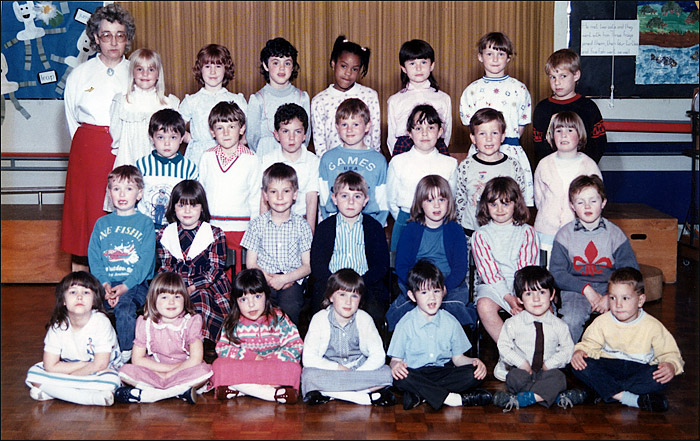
(349, 249)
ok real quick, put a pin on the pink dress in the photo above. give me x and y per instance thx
(167, 343)
(278, 341)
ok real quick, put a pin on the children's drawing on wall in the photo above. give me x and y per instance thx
(9, 88)
(39, 41)
(668, 42)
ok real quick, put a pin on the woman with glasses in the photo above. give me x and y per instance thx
(87, 99)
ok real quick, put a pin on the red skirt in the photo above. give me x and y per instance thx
(89, 164)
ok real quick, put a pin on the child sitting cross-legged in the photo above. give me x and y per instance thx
(427, 349)
(535, 359)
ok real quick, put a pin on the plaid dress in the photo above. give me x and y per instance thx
(199, 256)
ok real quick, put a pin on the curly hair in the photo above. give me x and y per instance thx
(111, 13)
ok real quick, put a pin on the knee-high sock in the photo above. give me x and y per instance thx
(263, 391)
(357, 397)
(151, 394)
(79, 396)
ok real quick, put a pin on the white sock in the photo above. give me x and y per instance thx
(263, 391)
(453, 400)
(39, 395)
(357, 397)
(80, 396)
(126, 356)
(151, 394)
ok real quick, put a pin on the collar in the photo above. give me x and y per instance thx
(422, 321)
(171, 240)
(425, 85)
(268, 217)
(568, 101)
(334, 321)
(340, 219)
(578, 225)
(529, 319)
(492, 79)
(279, 92)
(165, 161)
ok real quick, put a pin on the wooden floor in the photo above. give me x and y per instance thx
(25, 309)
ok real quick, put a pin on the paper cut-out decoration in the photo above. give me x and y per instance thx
(9, 88)
(26, 13)
(84, 52)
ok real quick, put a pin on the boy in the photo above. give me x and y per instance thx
(427, 349)
(627, 355)
(122, 253)
(501, 92)
(487, 128)
(536, 345)
(352, 120)
(585, 252)
(291, 124)
(165, 166)
(351, 239)
(279, 241)
(230, 174)
(563, 68)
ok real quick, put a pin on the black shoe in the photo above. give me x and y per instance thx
(477, 397)
(190, 396)
(209, 351)
(411, 400)
(653, 402)
(571, 397)
(386, 398)
(314, 397)
(123, 395)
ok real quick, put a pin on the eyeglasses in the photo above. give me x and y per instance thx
(106, 37)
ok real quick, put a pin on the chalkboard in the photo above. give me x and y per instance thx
(596, 70)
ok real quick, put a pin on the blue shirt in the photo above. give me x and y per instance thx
(420, 342)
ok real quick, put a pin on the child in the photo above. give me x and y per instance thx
(167, 358)
(585, 253)
(627, 355)
(291, 125)
(164, 167)
(433, 234)
(279, 241)
(352, 121)
(487, 128)
(260, 348)
(352, 240)
(344, 355)
(196, 250)
(230, 174)
(418, 86)
(553, 175)
(503, 244)
(122, 253)
(81, 352)
(535, 356)
(563, 68)
(425, 128)
(279, 67)
(349, 62)
(501, 92)
(427, 349)
(213, 69)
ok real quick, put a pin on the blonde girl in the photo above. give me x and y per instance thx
(433, 233)
(81, 351)
(502, 244)
(167, 358)
(259, 351)
(567, 137)
(344, 355)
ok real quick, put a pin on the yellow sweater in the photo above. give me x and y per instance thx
(644, 340)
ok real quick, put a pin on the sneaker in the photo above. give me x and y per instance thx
(314, 397)
(386, 398)
(505, 400)
(571, 397)
(125, 394)
(411, 400)
(190, 396)
(652, 402)
(477, 397)
(126, 357)
(500, 371)
(39, 394)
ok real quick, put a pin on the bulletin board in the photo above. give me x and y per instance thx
(667, 50)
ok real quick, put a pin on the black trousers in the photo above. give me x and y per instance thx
(434, 383)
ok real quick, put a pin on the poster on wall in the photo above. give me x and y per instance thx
(42, 42)
(668, 42)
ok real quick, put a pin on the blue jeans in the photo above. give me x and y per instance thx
(575, 311)
(125, 313)
(290, 300)
(399, 224)
(456, 302)
(609, 376)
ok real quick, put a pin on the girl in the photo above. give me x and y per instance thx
(167, 359)
(349, 62)
(259, 349)
(418, 86)
(567, 136)
(81, 352)
(213, 69)
(425, 128)
(196, 250)
(502, 244)
(344, 355)
(432, 233)
(130, 113)
(279, 67)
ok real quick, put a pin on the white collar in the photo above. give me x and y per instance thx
(202, 240)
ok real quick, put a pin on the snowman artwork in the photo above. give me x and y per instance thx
(26, 14)
(9, 88)
(84, 52)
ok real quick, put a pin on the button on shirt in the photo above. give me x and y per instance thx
(349, 249)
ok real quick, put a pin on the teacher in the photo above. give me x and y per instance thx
(88, 96)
